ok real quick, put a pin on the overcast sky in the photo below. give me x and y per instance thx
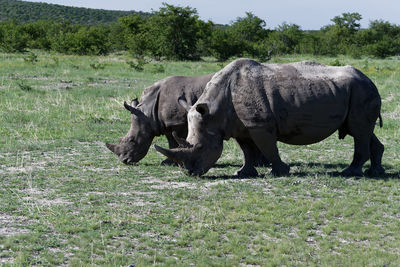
(309, 14)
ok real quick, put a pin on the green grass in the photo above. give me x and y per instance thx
(66, 200)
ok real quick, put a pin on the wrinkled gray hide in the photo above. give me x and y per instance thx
(160, 112)
(297, 103)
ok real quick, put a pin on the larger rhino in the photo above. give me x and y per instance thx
(159, 113)
(297, 103)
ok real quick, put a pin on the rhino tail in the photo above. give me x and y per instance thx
(380, 121)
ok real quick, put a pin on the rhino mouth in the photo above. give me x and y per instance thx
(195, 160)
(128, 161)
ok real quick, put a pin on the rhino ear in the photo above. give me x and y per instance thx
(203, 109)
(132, 110)
(182, 101)
(134, 102)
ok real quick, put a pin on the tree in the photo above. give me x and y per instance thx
(339, 37)
(290, 35)
(250, 28)
(224, 45)
(14, 38)
(381, 39)
(348, 21)
(137, 34)
(204, 34)
(285, 39)
(39, 34)
(177, 31)
(249, 32)
(82, 40)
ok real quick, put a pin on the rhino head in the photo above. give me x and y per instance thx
(136, 143)
(203, 145)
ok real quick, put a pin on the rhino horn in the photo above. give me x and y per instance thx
(176, 154)
(132, 110)
(182, 101)
(111, 147)
(181, 142)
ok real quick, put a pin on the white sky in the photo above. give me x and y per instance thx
(309, 14)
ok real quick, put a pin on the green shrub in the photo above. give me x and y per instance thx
(157, 68)
(31, 57)
(24, 86)
(336, 63)
(137, 64)
(98, 66)
(13, 39)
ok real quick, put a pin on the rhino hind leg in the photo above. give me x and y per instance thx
(266, 142)
(360, 124)
(361, 155)
(376, 150)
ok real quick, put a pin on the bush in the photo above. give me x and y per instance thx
(31, 58)
(14, 38)
(262, 51)
(157, 68)
(224, 45)
(380, 49)
(83, 41)
(137, 64)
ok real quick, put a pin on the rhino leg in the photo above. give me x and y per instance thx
(361, 155)
(360, 124)
(172, 144)
(259, 159)
(266, 142)
(248, 147)
(376, 149)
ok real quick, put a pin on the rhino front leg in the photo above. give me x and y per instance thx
(266, 142)
(361, 155)
(376, 150)
(248, 147)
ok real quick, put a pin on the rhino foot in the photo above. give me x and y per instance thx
(168, 162)
(352, 172)
(262, 162)
(375, 171)
(280, 170)
(246, 172)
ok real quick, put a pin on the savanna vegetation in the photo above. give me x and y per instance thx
(67, 200)
(177, 33)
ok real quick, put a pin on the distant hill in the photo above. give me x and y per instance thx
(24, 12)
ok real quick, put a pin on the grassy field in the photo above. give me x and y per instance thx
(67, 200)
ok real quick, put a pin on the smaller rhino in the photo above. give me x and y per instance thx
(162, 110)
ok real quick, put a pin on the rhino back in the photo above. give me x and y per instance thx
(305, 102)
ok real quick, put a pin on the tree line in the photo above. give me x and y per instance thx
(28, 12)
(175, 32)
